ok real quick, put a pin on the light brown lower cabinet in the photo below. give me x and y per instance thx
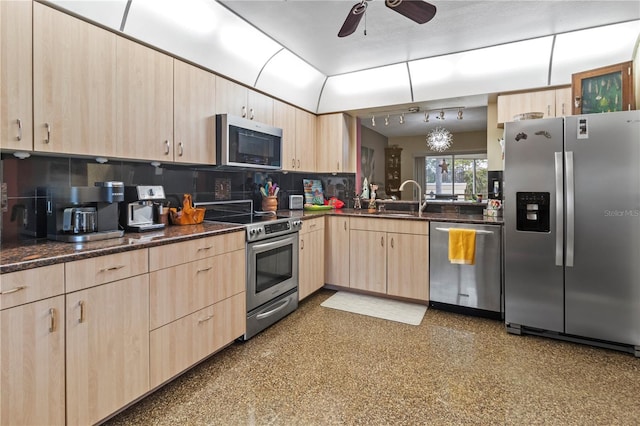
(32, 363)
(311, 257)
(107, 348)
(182, 343)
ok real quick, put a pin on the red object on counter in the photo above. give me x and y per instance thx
(335, 202)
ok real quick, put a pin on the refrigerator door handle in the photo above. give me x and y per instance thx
(570, 207)
(559, 208)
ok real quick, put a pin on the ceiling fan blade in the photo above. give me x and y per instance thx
(416, 10)
(353, 19)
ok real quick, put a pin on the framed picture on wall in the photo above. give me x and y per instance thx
(605, 89)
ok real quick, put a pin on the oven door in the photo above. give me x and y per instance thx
(272, 269)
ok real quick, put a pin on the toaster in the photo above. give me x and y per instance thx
(296, 202)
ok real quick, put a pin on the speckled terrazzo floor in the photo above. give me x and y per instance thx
(323, 366)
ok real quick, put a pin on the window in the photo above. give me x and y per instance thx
(455, 176)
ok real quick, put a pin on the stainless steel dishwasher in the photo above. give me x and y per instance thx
(476, 288)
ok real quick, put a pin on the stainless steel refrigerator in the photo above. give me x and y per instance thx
(572, 228)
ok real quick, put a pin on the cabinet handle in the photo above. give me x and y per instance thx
(19, 129)
(52, 320)
(391, 242)
(205, 319)
(180, 149)
(548, 110)
(244, 112)
(204, 270)
(313, 225)
(345, 225)
(293, 163)
(382, 241)
(112, 268)
(205, 248)
(301, 243)
(81, 305)
(167, 147)
(251, 115)
(337, 165)
(563, 108)
(298, 163)
(13, 290)
(48, 127)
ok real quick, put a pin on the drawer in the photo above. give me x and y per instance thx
(180, 290)
(182, 343)
(200, 248)
(103, 269)
(309, 225)
(18, 288)
(400, 226)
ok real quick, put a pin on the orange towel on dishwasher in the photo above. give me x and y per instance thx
(462, 246)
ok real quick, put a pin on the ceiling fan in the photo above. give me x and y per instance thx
(417, 10)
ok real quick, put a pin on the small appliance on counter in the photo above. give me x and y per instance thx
(84, 213)
(296, 202)
(143, 205)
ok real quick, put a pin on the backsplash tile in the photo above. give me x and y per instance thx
(27, 180)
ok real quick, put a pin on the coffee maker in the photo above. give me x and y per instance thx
(142, 207)
(84, 213)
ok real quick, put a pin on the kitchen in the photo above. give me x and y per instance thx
(64, 167)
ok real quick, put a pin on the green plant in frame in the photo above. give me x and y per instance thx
(602, 93)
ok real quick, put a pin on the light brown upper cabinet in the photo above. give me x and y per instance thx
(144, 102)
(16, 127)
(74, 85)
(305, 141)
(238, 100)
(284, 117)
(550, 103)
(335, 146)
(194, 115)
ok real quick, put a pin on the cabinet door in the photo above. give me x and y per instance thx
(564, 102)
(260, 107)
(543, 101)
(311, 262)
(337, 251)
(107, 348)
(32, 353)
(333, 143)
(368, 254)
(231, 98)
(284, 117)
(194, 114)
(74, 82)
(16, 127)
(305, 141)
(408, 266)
(144, 102)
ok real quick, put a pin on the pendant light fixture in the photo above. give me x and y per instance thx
(439, 139)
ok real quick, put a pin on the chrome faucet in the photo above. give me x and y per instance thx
(420, 205)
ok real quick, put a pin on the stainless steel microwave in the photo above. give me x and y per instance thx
(246, 143)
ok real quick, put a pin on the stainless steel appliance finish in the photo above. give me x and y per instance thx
(271, 260)
(84, 213)
(141, 207)
(476, 286)
(247, 143)
(579, 278)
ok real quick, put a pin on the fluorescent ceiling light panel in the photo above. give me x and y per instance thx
(289, 78)
(583, 50)
(365, 89)
(197, 16)
(105, 12)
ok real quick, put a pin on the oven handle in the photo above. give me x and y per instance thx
(284, 304)
(280, 242)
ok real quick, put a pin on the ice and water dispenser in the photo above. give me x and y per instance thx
(533, 211)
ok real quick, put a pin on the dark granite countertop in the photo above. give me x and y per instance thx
(41, 252)
(36, 253)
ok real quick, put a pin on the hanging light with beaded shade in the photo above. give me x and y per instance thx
(439, 139)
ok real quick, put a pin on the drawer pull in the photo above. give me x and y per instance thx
(48, 138)
(313, 225)
(19, 137)
(112, 268)
(382, 241)
(204, 270)
(81, 305)
(52, 320)
(392, 243)
(301, 243)
(205, 248)
(479, 231)
(13, 290)
(205, 319)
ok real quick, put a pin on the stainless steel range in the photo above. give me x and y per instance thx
(271, 262)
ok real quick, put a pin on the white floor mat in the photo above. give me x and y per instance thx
(392, 310)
